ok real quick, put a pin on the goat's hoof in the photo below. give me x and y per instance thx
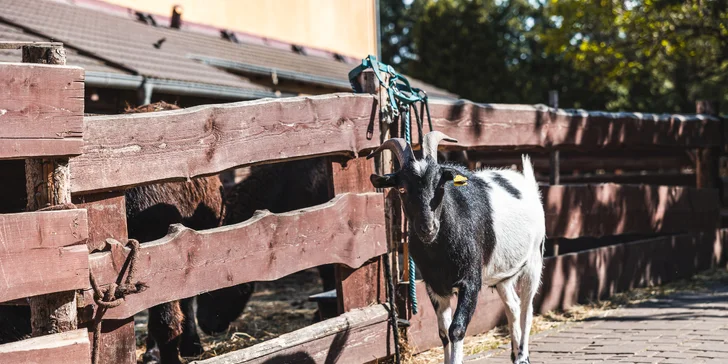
(522, 361)
(191, 349)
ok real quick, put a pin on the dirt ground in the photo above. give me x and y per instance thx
(276, 308)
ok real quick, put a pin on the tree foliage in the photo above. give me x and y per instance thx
(646, 55)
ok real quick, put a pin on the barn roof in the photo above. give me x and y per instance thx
(111, 44)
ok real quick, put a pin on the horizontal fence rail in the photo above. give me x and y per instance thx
(71, 347)
(526, 126)
(127, 150)
(348, 230)
(596, 210)
(358, 336)
(132, 149)
(41, 112)
(42, 252)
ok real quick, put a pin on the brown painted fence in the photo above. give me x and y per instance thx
(45, 252)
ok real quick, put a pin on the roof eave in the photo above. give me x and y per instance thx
(268, 71)
(175, 87)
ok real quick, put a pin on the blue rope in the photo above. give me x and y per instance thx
(411, 262)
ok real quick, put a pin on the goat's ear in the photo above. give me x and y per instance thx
(388, 180)
(451, 174)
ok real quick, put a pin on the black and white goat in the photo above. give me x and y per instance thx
(469, 229)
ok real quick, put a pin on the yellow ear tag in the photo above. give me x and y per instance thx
(460, 181)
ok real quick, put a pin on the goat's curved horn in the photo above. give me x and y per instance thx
(399, 147)
(430, 142)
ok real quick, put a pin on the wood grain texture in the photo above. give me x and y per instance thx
(360, 287)
(609, 209)
(43, 271)
(71, 347)
(42, 230)
(126, 150)
(118, 343)
(41, 110)
(589, 275)
(203, 140)
(347, 230)
(42, 252)
(352, 175)
(526, 126)
(358, 336)
(34, 147)
(106, 217)
(608, 160)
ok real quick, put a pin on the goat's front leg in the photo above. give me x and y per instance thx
(444, 318)
(467, 301)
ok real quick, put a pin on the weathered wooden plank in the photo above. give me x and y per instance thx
(648, 178)
(526, 126)
(25, 148)
(42, 252)
(125, 150)
(358, 336)
(106, 217)
(364, 285)
(352, 175)
(609, 209)
(117, 343)
(361, 287)
(43, 271)
(608, 160)
(43, 103)
(589, 275)
(71, 347)
(209, 139)
(347, 230)
(42, 230)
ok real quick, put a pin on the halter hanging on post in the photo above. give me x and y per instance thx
(402, 100)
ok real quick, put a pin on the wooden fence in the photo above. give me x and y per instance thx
(45, 253)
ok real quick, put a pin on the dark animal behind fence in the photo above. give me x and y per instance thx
(279, 187)
(197, 204)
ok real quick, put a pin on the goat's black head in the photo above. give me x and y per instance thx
(421, 184)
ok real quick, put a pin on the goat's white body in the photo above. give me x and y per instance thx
(519, 224)
(519, 227)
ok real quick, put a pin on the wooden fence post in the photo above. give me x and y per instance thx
(554, 162)
(707, 162)
(107, 219)
(364, 286)
(48, 183)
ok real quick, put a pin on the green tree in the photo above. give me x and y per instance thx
(484, 50)
(646, 55)
(396, 21)
(656, 55)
